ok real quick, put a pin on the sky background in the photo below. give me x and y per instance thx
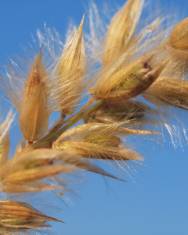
(153, 201)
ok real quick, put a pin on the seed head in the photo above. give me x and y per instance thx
(126, 81)
(121, 30)
(70, 71)
(95, 140)
(34, 110)
(29, 168)
(171, 91)
(129, 112)
(18, 216)
(178, 41)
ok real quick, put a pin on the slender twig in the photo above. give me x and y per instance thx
(62, 126)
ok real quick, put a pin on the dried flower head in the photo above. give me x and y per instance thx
(124, 81)
(19, 217)
(27, 169)
(69, 71)
(129, 112)
(171, 91)
(34, 110)
(4, 137)
(96, 140)
(178, 40)
(121, 30)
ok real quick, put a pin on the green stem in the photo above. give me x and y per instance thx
(54, 133)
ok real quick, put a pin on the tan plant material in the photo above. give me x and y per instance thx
(72, 157)
(70, 70)
(4, 138)
(4, 149)
(129, 112)
(132, 68)
(19, 216)
(125, 81)
(121, 30)
(29, 168)
(27, 171)
(178, 40)
(171, 91)
(34, 109)
(96, 140)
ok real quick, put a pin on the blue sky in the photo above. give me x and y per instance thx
(153, 201)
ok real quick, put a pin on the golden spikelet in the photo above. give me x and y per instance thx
(126, 81)
(70, 71)
(34, 110)
(97, 151)
(29, 187)
(18, 216)
(121, 30)
(178, 40)
(27, 169)
(130, 112)
(95, 140)
(4, 149)
(72, 157)
(171, 91)
(4, 137)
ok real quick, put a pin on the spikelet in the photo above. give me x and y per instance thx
(18, 216)
(178, 40)
(4, 148)
(121, 30)
(130, 112)
(126, 81)
(29, 187)
(95, 140)
(97, 151)
(70, 71)
(4, 137)
(28, 168)
(34, 110)
(171, 91)
(74, 159)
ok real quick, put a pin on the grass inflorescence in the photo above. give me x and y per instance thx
(138, 70)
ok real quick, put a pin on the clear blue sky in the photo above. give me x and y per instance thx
(153, 201)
